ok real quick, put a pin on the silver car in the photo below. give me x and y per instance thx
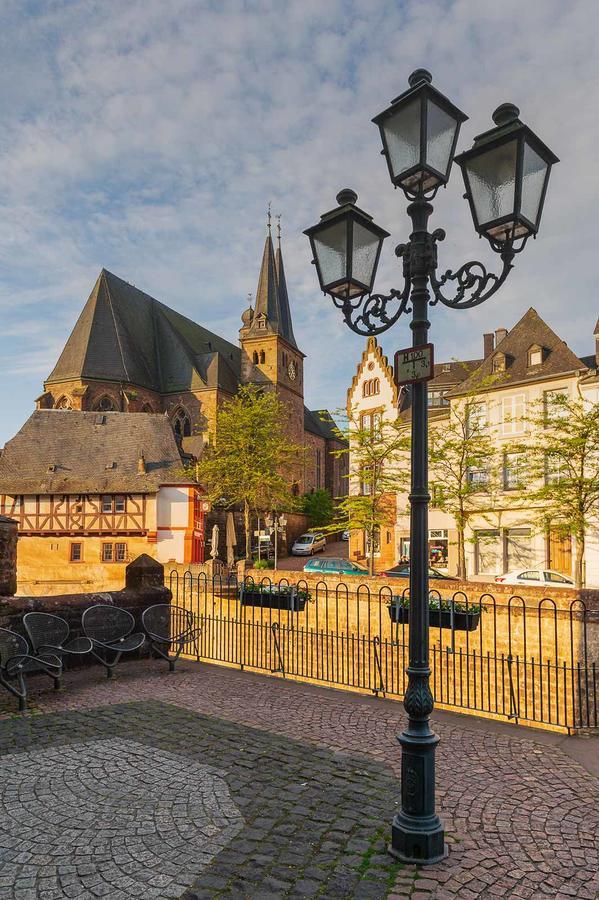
(309, 543)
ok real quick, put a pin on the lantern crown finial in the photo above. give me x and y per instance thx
(505, 114)
(346, 196)
(419, 75)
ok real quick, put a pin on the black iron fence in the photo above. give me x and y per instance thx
(523, 660)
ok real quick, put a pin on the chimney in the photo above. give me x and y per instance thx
(488, 344)
(141, 464)
(500, 333)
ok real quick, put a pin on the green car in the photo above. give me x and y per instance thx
(332, 565)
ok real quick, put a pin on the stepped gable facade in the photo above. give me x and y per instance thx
(129, 352)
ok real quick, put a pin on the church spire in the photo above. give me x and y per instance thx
(271, 312)
(285, 312)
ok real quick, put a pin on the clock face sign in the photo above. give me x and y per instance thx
(414, 364)
(292, 370)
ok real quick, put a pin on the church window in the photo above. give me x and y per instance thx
(255, 357)
(64, 403)
(376, 386)
(105, 404)
(182, 423)
(262, 357)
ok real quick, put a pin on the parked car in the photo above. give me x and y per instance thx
(538, 577)
(345, 535)
(402, 570)
(309, 543)
(331, 565)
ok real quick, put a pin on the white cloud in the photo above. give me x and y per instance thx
(149, 137)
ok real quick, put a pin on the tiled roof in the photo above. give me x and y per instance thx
(531, 330)
(125, 335)
(63, 451)
(321, 422)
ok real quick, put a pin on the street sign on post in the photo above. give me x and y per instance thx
(414, 364)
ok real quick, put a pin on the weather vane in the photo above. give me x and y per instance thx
(278, 218)
(269, 216)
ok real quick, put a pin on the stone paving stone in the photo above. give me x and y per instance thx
(314, 775)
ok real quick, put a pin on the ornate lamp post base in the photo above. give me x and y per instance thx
(418, 838)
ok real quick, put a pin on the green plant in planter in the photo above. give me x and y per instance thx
(261, 564)
(436, 603)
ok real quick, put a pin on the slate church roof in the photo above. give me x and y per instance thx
(125, 335)
(67, 452)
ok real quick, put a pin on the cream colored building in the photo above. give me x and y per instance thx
(530, 362)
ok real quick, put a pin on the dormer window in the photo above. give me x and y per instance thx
(535, 355)
(499, 362)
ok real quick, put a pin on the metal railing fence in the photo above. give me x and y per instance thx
(522, 660)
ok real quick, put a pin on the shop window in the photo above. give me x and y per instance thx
(76, 552)
(438, 548)
(488, 552)
(518, 550)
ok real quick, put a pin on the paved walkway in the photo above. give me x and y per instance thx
(217, 783)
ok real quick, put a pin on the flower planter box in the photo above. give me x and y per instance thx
(438, 618)
(273, 599)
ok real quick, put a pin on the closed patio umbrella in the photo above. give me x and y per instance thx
(231, 539)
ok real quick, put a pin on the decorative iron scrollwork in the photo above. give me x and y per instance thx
(474, 283)
(370, 315)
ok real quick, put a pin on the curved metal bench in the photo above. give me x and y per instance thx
(170, 629)
(16, 661)
(110, 631)
(50, 633)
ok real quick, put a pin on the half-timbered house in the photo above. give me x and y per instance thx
(91, 491)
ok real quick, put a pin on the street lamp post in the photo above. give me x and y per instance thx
(505, 174)
(276, 524)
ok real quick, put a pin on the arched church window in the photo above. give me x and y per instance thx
(262, 356)
(376, 386)
(105, 404)
(182, 423)
(255, 357)
(63, 403)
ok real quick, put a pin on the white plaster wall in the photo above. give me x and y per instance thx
(173, 507)
(170, 545)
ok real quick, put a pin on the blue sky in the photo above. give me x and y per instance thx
(149, 137)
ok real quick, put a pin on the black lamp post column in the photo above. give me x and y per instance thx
(506, 174)
(417, 833)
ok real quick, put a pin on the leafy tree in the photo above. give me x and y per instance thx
(379, 467)
(560, 462)
(319, 507)
(462, 464)
(252, 464)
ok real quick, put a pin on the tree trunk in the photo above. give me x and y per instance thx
(461, 553)
(579, 561)
(246, 525)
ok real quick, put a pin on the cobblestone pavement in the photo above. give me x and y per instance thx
(314, 775)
